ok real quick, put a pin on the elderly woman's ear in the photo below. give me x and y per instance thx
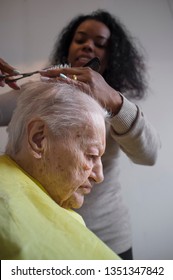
(37, 138)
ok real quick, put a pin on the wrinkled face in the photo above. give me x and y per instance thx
(73, 168)
(90, 40)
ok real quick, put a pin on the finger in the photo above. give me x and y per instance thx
(13, 85)
(56, 72)
(2, 83)
(53, 80)
(5, 67)
(62, 79)
(50, 72)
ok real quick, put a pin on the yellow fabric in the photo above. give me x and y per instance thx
(33, 226)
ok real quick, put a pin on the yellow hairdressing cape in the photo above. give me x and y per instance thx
(33, 226)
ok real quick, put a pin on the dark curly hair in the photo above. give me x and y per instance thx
(126, 68)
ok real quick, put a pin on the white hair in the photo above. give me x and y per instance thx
(61, 106)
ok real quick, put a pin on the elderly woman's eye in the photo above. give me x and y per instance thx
(92, 157)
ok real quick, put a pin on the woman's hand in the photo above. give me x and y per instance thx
(5, 68)
(90, 82)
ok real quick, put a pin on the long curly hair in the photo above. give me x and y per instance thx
(126, 70)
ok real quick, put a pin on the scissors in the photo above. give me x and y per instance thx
(19, 76)
(94, 64)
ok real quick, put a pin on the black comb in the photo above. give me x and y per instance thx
(94, 64)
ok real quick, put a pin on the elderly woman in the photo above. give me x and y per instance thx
(52, 160)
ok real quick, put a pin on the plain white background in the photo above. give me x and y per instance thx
(28, 30)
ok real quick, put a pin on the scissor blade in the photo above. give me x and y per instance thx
(18, 76)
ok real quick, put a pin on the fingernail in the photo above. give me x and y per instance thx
(63, 76)
(15, 71)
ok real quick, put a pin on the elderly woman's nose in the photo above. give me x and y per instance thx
(97, 173)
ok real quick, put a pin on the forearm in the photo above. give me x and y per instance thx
(134, 134)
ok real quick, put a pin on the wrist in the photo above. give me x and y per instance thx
(115, 105)
(125, 119)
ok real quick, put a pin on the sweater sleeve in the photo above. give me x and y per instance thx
(7, 105)
(135, 135)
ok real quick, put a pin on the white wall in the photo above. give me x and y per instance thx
(28, 30)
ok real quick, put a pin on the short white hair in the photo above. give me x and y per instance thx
(61, 106)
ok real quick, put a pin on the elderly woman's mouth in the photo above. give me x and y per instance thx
(86, 189)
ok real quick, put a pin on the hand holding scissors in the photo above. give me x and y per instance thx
(7, 70)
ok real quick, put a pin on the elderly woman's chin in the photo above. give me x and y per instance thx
(75, 201)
